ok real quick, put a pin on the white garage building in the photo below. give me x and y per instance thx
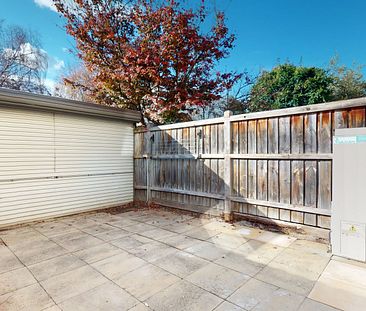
(60, 157)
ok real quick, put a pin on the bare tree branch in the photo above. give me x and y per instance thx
(23, 63)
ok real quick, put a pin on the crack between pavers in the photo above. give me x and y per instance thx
(37, 282)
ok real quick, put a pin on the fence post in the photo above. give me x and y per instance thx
(148, 165)
(228, 216)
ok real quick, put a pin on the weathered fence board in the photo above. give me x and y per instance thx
(275, 164)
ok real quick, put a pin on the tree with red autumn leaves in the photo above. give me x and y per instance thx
(150, 55)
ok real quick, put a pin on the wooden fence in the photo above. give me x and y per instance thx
(274, 164)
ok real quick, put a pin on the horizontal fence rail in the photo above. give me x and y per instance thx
(273, 164)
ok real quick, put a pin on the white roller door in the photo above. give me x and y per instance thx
(54, 163)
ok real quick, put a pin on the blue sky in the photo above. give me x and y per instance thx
(48, 24)
(307, 32)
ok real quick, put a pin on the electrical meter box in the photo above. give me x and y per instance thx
(348, 224)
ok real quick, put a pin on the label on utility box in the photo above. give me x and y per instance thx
(353, 240)
(349, 139)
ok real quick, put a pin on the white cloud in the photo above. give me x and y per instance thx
(46, 4)
(28, 55)
(50, 84)
(59, 64)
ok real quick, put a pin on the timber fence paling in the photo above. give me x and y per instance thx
(275, 164)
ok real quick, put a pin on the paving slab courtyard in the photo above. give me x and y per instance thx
(154, 259)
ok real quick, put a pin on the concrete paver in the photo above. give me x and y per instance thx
(30, 298)
(342, 285)
(131, 242)
(75, 241)
(159, 260)
(69, 284)
(207, 250)
(98, 229)
(158, 234)
(53, 308)
(15, 279)
(275, 238)
(139, 227)
(248, 233)
(116, 266)
(153, 251)
(43, 251)
(58, 265)
(180, 227)
(181, 241)
(251, 294)
(113, 235)
(18, 237)
(228, 306)
(227, 240)
(312, 305)
(121, 222)
(181, 263)
(184, 296)
(98, 252)
(310, 246)
(295, 270)
(280, 299)
(218, 280)
(299, 281)
(107, 296)
(140, 307)
(8, 260)
(53, 228)
(146, 281)
(201, 233)
(259, 252)
(236, 261)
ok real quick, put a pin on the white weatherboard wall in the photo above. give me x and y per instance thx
(56, 163)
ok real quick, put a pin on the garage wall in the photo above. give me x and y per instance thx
(54, 163)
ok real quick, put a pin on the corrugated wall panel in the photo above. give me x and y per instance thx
(53, 194)
(26, 144)
(88, 144)
(56, 163)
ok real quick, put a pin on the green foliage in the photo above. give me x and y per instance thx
(347, 82)
(288, 85)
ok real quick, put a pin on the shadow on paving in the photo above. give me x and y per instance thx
(188, 172)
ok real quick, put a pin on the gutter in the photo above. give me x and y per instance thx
(14, 98)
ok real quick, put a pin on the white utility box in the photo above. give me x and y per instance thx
(349, 194)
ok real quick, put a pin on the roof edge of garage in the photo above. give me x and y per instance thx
(16, 98)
